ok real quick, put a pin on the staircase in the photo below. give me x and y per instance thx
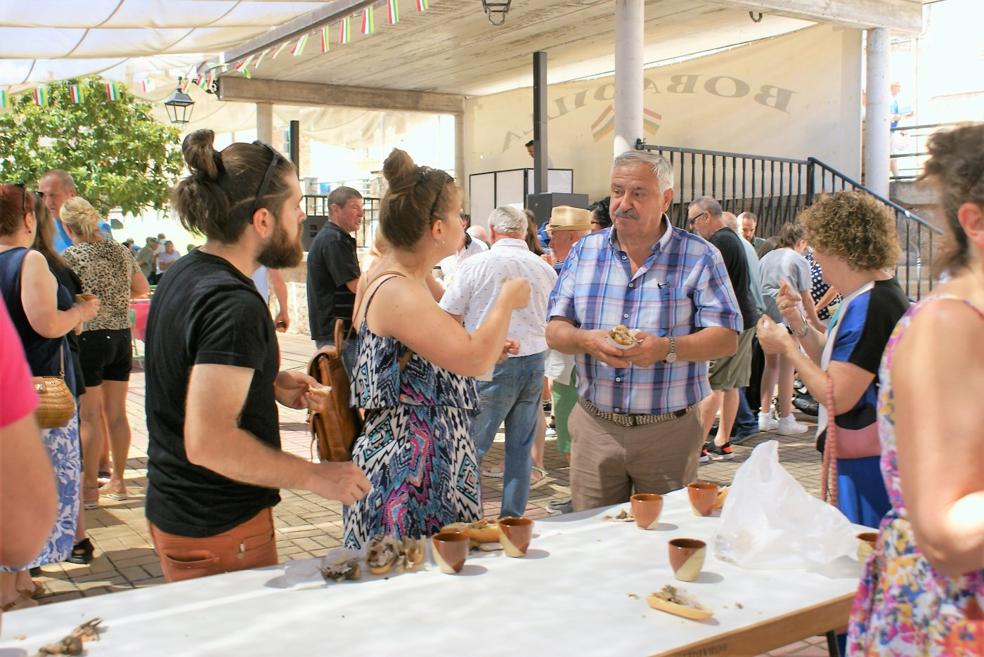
(777, 189)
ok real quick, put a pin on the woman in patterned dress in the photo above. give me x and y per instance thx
(42, 312)
(923, 588)
(414, 367)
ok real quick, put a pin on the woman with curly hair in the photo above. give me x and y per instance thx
(853, 238)
(923, 587)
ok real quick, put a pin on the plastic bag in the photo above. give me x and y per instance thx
(769, 521)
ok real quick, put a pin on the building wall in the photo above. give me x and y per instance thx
(794, 96)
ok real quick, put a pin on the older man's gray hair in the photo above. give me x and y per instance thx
(660, 168)
(65, 181)
(730, 221)
(708, 205)
(508, 220)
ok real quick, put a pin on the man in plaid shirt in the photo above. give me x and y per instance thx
(635, 426)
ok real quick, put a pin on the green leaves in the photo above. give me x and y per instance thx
(118, 153)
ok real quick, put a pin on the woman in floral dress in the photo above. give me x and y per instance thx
(923, 588)
(414, 367)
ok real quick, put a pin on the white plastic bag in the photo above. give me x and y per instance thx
(769, 521)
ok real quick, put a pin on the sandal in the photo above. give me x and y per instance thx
(82, 552)
(115, 491)
(492, 473)
(90, 497)
(543, 480)
(36, 592)
(20, 602)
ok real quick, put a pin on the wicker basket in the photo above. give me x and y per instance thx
(56, 406)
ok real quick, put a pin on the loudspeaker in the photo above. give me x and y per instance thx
(310, 228)
(541, 205)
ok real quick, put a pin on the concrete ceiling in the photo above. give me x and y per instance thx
(452, 48)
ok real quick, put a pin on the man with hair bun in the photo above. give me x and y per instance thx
(511, 392)
(212, 361)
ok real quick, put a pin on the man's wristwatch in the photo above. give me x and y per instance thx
(671, 355)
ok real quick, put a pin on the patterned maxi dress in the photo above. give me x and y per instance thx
(416, 448)
(904, 607)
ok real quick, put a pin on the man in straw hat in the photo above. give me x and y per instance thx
(635, 426)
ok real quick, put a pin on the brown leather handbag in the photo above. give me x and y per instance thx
(336, 429)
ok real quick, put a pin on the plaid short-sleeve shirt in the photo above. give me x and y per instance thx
(682, 287)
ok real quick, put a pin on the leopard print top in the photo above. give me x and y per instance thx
(106, 269)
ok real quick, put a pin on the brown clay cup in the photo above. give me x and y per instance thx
(450, 551)
(866, 544)
(686, 557)
(515, 535)
(646, 508)
(702, 496)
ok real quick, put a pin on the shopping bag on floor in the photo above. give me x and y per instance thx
(769, 521)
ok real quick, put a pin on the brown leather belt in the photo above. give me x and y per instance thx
(632, 420)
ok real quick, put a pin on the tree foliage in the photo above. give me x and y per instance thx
(117, 152)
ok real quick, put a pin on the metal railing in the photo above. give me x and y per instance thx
(776, 189)
(316, 208)
(909, 149)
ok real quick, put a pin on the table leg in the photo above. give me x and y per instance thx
(832, 648)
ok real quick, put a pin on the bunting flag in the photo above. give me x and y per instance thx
(421, 6)
(393, 12)
(279, 50)
(112, 91)
(368, 21)
(345, 30)
(184, 85)
(243, 67)
(41, 96)
(325, 42)
(148, 85)
(75, 91)
(298, 48)
(259, 60)
(202, 82)
(211, 78)
(4, 99)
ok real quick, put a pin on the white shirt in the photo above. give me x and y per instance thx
(449, 266)
(477, 285)
(165, 258)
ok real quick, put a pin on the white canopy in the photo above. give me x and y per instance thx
(128, 40)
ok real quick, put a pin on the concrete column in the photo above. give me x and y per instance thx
(629, 41)
(877, 121)
(459, 155)
(264, 123)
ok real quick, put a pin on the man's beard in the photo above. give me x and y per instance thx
(280, 252)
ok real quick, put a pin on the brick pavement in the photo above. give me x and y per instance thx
(308, 525)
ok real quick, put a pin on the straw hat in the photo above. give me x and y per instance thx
(564, 217)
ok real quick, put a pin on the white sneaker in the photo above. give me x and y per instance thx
(788, 426)
(767, 422)
(551, 433)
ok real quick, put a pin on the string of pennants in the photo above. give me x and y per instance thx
(203, 75)
(77, 92)
(343, 34)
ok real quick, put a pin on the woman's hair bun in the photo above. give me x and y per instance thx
(399, 170)
(200, 154)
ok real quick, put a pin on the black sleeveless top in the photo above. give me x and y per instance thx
(43, 354)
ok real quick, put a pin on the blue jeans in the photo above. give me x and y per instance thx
(512, 396)
(745, 420)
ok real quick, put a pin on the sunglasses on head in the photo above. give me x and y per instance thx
(267, 177)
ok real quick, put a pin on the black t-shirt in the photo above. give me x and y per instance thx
(205, 311)
(332, 262)
(733, 253)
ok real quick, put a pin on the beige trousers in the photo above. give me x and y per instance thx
(609, 462)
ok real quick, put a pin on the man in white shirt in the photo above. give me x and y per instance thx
(167, 257)
(448, 267)
(511, 392)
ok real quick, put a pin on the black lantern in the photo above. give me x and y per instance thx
(179, 106)
(496, 10)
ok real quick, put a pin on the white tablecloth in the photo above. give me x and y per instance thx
(580, 591)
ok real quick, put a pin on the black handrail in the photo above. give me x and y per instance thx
(776, 189)
(892, 204)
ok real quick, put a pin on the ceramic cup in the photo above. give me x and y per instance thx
(866, 544)
(515, 535)
(646, 508)
(686, 558)
(450, 551)
(702, 496)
